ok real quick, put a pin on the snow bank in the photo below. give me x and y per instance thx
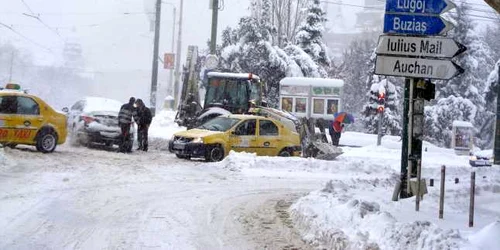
(163, 125)
(488, 237)
(251, 164)
(331, 219)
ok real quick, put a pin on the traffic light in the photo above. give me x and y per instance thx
(381, 102)
(429, 91)
(426, 89)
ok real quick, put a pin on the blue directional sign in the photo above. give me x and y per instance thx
(430, 7)
(416, 25)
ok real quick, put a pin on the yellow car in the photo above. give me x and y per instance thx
(249, 133)
(27, 119)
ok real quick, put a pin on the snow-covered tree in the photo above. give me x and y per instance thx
(310, 36)
(440, 117)
(391, 123)
(252, 51)
(491, 36)
(286, 17)
(466, 88)
(354, 70)
(488, 127)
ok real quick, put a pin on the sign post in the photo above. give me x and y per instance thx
(412, 48)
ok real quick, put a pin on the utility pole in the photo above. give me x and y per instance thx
(154, 74)
(215, 13)
(171, 81)
(178, 60)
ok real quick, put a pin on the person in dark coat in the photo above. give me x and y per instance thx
(144, 118)
(125, 115)
(335, 130)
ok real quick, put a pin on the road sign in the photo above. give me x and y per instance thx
(416, 25)
(416, 67)
(168, 61)
(431, 7)
(419, 46)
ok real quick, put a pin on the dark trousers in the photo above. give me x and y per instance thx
(335, 138)
(126, 143)
(142, 137)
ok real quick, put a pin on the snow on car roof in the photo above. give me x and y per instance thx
(315, 82)
(101, 104)
(233, 75)
(462, 124)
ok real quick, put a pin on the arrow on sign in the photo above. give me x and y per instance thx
(416, 25)
(419, 46)
(416, 67)
(432, 7)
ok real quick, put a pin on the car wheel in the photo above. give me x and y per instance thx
(215, 153)
(46, 141)
(285, 153)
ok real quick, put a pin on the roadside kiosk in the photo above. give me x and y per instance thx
(462, 139)
(311, 97)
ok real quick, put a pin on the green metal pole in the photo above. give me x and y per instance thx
(404, 142)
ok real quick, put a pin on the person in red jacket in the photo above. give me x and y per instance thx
(335, 130)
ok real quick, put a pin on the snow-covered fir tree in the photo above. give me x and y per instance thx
(439, 118)
(490, 109)
(468, 87)
(354, 70)
(310, 36)
(391, 122)
(250, 49)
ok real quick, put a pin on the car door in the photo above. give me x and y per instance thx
(268, 138)
(244, 137)
(19, 119)
(8, 108)
(29, 119)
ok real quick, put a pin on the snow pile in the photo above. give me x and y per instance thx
(331, 219)
(162, 128)
(252, 164)
(237, 161)
(488, 237)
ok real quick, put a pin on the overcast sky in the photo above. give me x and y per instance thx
(110, 38)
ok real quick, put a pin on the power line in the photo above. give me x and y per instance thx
(37, 17)
(26, 38)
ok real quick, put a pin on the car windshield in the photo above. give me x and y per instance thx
(219, 124)
(233, 93)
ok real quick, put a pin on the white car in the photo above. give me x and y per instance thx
(95, 120)
(483, 158)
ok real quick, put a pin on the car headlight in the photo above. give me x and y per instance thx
(473, 158)
(197, 140)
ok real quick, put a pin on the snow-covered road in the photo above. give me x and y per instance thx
(78, 198)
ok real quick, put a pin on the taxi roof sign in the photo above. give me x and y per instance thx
(13, 86)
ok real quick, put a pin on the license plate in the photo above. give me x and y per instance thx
(481, 162)
(179, 146)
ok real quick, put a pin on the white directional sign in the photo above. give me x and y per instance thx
(416, 67)
(419, 46)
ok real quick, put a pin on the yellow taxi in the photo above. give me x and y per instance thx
(27, 119)
(248, 133)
